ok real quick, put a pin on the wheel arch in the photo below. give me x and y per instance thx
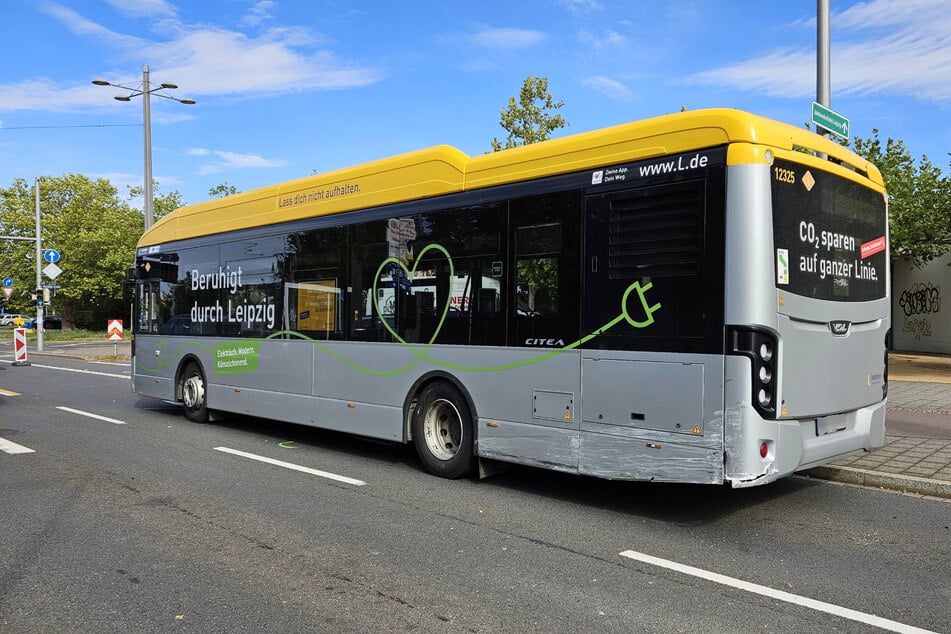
(182, 364)
(412, 396)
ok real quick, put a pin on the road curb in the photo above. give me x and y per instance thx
(878, 479)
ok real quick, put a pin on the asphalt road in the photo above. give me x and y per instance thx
(141, 521)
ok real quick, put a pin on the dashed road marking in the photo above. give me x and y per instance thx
(7, 446)
(820, 606)
(90, 415)
(295, 467)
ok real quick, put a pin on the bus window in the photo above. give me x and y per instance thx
(251, 292)
(472, 285)
(367, 250)
(314, 293)
(546, 244)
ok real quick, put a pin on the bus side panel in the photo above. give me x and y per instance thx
(270, 371)
(152, 375)
(529, 444)
(652, 419)
(525, 414)
(617, 458)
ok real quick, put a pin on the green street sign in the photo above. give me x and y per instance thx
(830, 120)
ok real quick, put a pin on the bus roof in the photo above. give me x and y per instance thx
(444, 170)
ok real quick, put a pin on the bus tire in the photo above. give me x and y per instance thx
(443, 431)
(194, 393)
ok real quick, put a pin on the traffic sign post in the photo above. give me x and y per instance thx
(830, 120)
(114, 332)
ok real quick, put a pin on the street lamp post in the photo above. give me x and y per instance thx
(146, 91)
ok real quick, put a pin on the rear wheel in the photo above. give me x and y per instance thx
(443, 431)
(193, 394)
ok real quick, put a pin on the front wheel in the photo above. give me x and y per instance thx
(443, 431)
(194, 394)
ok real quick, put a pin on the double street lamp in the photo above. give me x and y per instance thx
(146, 91)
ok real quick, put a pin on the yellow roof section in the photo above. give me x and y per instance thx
(443, 170)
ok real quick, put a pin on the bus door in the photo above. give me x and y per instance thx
(543, 284)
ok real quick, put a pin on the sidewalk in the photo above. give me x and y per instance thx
(916, 457)
(917, 460)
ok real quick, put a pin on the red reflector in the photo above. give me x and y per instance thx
(763, 450)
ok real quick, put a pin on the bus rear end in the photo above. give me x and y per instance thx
(807, 312)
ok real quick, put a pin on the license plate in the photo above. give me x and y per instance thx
(829, 425)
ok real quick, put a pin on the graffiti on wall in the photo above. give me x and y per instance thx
(916, 302)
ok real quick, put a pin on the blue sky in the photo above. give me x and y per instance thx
(285, 88)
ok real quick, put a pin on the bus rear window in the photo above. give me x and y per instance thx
(830, 235)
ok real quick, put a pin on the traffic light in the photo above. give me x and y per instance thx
(39, 296)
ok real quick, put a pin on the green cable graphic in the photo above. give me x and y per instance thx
(422, 353)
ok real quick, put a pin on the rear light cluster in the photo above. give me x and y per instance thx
(760, 347)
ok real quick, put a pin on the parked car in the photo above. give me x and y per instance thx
(16, 319)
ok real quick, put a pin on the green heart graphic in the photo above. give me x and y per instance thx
(411, 275)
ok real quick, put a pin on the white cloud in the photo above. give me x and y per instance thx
(144, 8)
(203, 60)
(611, 39)
(88, 28)
(234, 160)
(507, 38)
(259, 13)
(581, 6)
(610, 88)
(885, 47)
(217, 61)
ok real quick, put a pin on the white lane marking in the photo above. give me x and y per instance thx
(9, 393)
(820, 606)
(11, 447)
(295, 467)
(53, 367)
(90, 415)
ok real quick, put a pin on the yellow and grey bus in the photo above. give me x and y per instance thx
(698, 297)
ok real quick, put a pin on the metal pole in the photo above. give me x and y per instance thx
(823, 73)
(147, 116)
(39, 274)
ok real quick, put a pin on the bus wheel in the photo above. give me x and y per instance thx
(443, 431)
(193, 394)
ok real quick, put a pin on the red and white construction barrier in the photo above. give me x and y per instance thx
(19, 346)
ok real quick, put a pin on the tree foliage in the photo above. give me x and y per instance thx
(919, 200)
(222, 189)
(95, 233)
(162, 204)
(532, 117)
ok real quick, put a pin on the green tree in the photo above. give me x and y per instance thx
(223, 189)
(90, 226)
(162, 204)
(531, 118)
(919, 200)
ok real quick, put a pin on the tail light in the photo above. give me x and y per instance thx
(761, 348)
